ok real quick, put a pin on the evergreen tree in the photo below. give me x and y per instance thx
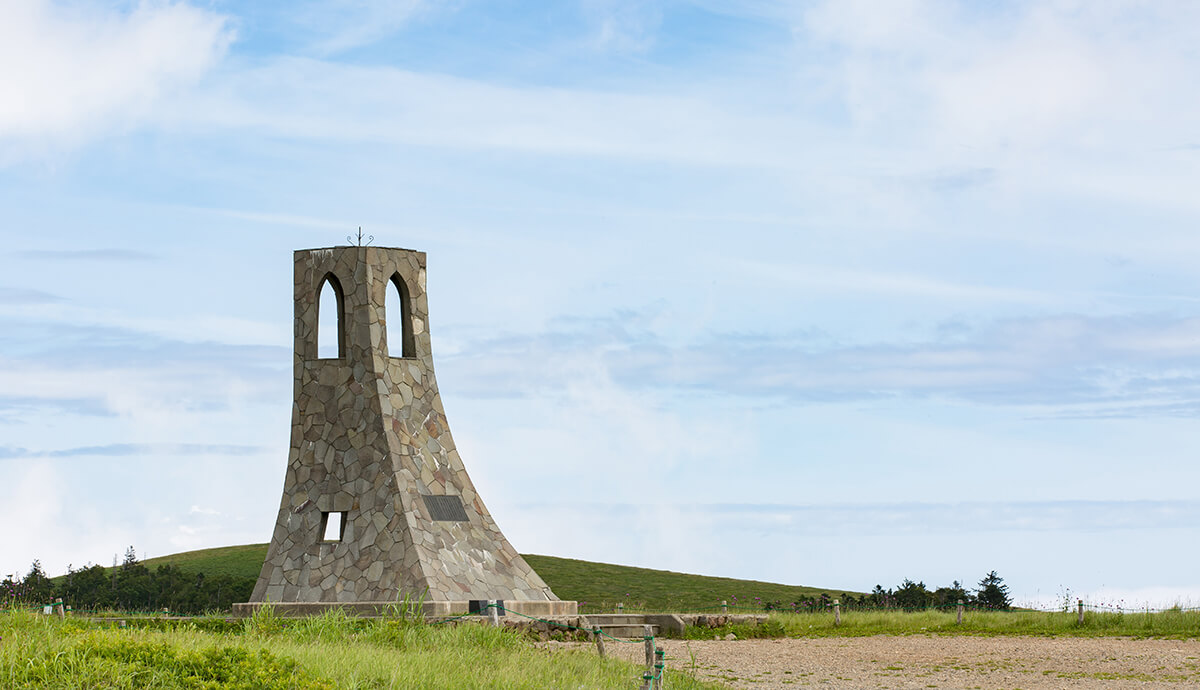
(37, 588)
(950, 596)
(912, 595)
(993, 593)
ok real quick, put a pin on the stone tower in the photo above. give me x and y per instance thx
(376, 502)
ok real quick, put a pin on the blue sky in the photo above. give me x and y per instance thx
(830, 294)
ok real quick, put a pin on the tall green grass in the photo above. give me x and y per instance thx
(329, 651)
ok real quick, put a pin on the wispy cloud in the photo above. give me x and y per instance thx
(17, 406)
(74, 70)
(26, 296)
(86, 255)
(1074, 365)
(343, 25)
(131, 449)
(919, 518)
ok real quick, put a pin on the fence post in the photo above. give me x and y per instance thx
(648, 636)
(58, 608)
(647, 681)
(659, 667)
(599, 641)
(494, 609)
(1081, 611)
(620, 607)
(960, 610)
(837, 612)
(724, 607)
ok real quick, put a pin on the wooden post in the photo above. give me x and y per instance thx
(724, 607)
(648, 636)
(494, 611)
(599, 640)
(1081, 611)
(58, 608)
(659, 667)
(960, 610)
(647, 681)
(837, 612)
(620, 607)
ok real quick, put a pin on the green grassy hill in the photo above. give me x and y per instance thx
(235, 561)
(600, 585)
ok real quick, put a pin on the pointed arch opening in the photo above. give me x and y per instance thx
(401, 342)
(331, 319)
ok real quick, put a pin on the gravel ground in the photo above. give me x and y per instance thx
(987, 663)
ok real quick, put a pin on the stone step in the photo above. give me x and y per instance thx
(623, 625)
(628, 631)
(617, 618)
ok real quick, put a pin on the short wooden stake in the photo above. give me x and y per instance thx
(837, 612)
(58, 608)
(647, 681)
(599, 640)
(724, 607)
(659, 667)
(960, 610)
(494, 609)
(620, 607)
(1081, 611)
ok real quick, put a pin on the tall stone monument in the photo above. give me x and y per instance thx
(377, 504)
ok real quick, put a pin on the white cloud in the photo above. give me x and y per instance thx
(304, 98)
(1018, 75)
(348, 24)
(623, 26)
(73, 72)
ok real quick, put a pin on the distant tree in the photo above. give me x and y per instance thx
(912, 595)
(36, 587)
(993, 593)
(131, 559)
(879, 597)
(949, 596)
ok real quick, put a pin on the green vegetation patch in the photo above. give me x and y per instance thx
(245, 561)
(328, 651)
(599, 587)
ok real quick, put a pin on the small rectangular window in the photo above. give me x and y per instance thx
(333, 526)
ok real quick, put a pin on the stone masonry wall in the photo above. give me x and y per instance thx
(370, 437)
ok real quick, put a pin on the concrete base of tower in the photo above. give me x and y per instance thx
(431, 609)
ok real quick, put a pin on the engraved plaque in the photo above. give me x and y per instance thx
(445, 508)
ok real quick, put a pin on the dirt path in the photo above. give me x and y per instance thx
(986, 663)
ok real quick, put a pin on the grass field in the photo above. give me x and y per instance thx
(235, 561)
(598, 586)
(1166, 624)
(329, 652)
(1176, 624)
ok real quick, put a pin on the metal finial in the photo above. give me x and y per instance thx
(350, 238)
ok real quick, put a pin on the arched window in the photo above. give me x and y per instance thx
(399, 321)
(331, 319)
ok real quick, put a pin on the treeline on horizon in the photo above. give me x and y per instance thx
(130, 586)
(991, 593)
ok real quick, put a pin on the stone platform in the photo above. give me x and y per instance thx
(430, 609)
